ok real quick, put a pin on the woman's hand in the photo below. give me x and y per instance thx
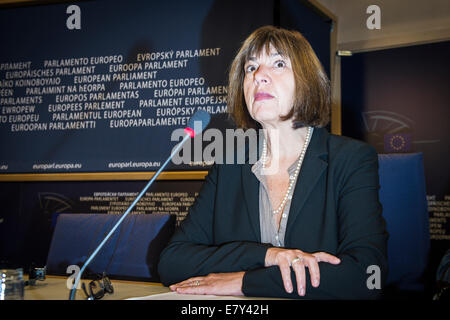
(225, 284)
(298, 260)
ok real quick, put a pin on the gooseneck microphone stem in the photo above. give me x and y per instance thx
(92, 256)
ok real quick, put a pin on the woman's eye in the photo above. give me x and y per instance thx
(280, 64)
(250, 68)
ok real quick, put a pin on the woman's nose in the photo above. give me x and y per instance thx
(262, 75)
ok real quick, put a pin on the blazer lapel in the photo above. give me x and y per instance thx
(250, 185)
(314, 164)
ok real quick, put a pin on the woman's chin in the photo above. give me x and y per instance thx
(267, 118)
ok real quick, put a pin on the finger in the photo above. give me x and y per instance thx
(300, 276)
(179, 284)
(201, 289)
(326, 257)
(186, 283)
(174, 286)
(286, 276)
(314, 271)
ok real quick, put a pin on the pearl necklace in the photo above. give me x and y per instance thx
(293, 178)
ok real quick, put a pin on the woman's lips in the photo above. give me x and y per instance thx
(262, 96)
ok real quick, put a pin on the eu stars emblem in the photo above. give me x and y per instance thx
(397, 142)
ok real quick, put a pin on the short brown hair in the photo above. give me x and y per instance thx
(312, 86)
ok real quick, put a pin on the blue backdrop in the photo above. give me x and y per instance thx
(37, 37)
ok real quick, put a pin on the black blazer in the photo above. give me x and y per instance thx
(335, 209)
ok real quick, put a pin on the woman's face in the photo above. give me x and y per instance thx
(269, 86)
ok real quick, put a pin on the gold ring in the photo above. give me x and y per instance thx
(296, 260)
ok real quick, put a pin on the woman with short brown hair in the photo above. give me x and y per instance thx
(304, 220)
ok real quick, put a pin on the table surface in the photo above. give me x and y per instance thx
(55, 288)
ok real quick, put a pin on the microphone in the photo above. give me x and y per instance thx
(200, 117)
(196, 124)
